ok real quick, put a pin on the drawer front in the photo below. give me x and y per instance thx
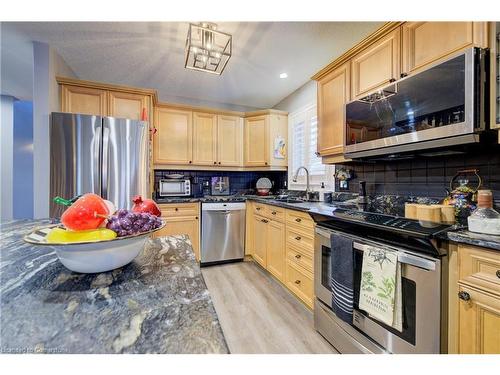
(179, 209)
(300, 239)
(300, 219)
(300, 258)
(300, 282)
(480, 268)
(275, 213)
(260, 209)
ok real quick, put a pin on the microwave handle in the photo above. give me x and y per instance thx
(404, 258)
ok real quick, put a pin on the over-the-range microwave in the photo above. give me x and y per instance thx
(438, 107)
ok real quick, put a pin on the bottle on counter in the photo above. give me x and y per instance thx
(484, 219)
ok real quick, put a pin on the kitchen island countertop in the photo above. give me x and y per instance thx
(159, 303)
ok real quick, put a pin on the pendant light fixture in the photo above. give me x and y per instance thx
(207, 49)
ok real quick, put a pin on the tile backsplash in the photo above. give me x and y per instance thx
(425, 176)
(239, 181)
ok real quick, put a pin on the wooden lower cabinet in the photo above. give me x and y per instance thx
(177, 222)
(271, 240)
(260, 240)
(479, 323)
(276, 249)
(476, 308)
(300, 282)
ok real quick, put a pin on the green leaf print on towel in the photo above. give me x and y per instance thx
(387, 289)
(367, 282)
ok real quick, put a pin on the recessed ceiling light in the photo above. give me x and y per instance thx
(283, 75)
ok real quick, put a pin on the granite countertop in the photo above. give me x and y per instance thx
(382, 205)
(476, 239)
(159, 303)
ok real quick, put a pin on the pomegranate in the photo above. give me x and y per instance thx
(145, 205)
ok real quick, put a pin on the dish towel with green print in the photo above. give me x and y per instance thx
(380, 290)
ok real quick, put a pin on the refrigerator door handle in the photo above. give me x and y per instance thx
(105, 161)
(96, 167)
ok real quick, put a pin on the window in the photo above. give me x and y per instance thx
(303, 125)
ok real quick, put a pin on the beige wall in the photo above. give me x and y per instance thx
(57, 67)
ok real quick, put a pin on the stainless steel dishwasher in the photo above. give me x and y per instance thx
(222, 232)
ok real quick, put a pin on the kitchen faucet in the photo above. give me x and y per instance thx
(308, 191)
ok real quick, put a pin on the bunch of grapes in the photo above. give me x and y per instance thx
(126, 223)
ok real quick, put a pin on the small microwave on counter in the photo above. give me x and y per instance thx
(174, 188)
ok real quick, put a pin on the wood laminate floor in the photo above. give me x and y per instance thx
(258, 314)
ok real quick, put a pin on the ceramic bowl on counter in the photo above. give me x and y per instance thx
(94, 257)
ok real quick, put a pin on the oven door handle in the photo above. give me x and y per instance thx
(404, 258)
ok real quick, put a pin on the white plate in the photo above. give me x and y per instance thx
(97, 256)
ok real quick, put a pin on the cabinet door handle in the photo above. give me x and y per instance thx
(392, 80)
(298, 256)
(264, 220)
(298, 238)
(298, 220)
(403, 75)
(265, 163)
(498, 273)
(196, 217)
(177, 209)
(190, 161)
(215, 162)
(297, 282)
(464, 296)
(274, 212)
(257, 208)
(219, 162)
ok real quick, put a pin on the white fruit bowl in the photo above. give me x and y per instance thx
(97, 256)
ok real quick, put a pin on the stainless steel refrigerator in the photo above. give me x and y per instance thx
(104, 155)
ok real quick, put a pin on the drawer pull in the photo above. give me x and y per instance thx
(298, 256)
(176, 208)
(298, 220)
(498, 273)
(298, 238)
(274, 212)
(264, 220)
(257, 208)
(464, 296)
(297, 282)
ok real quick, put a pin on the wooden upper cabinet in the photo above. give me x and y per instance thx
(377, 65)
(84, 100)
(479, 323)
(333, 93)
(256, 141)
(229, 141)
(173, 141)
(427, 42)
(204, 138)
(128, 105)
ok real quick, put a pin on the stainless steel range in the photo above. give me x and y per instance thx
(423, 267)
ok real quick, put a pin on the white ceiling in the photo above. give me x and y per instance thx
(151, 54)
